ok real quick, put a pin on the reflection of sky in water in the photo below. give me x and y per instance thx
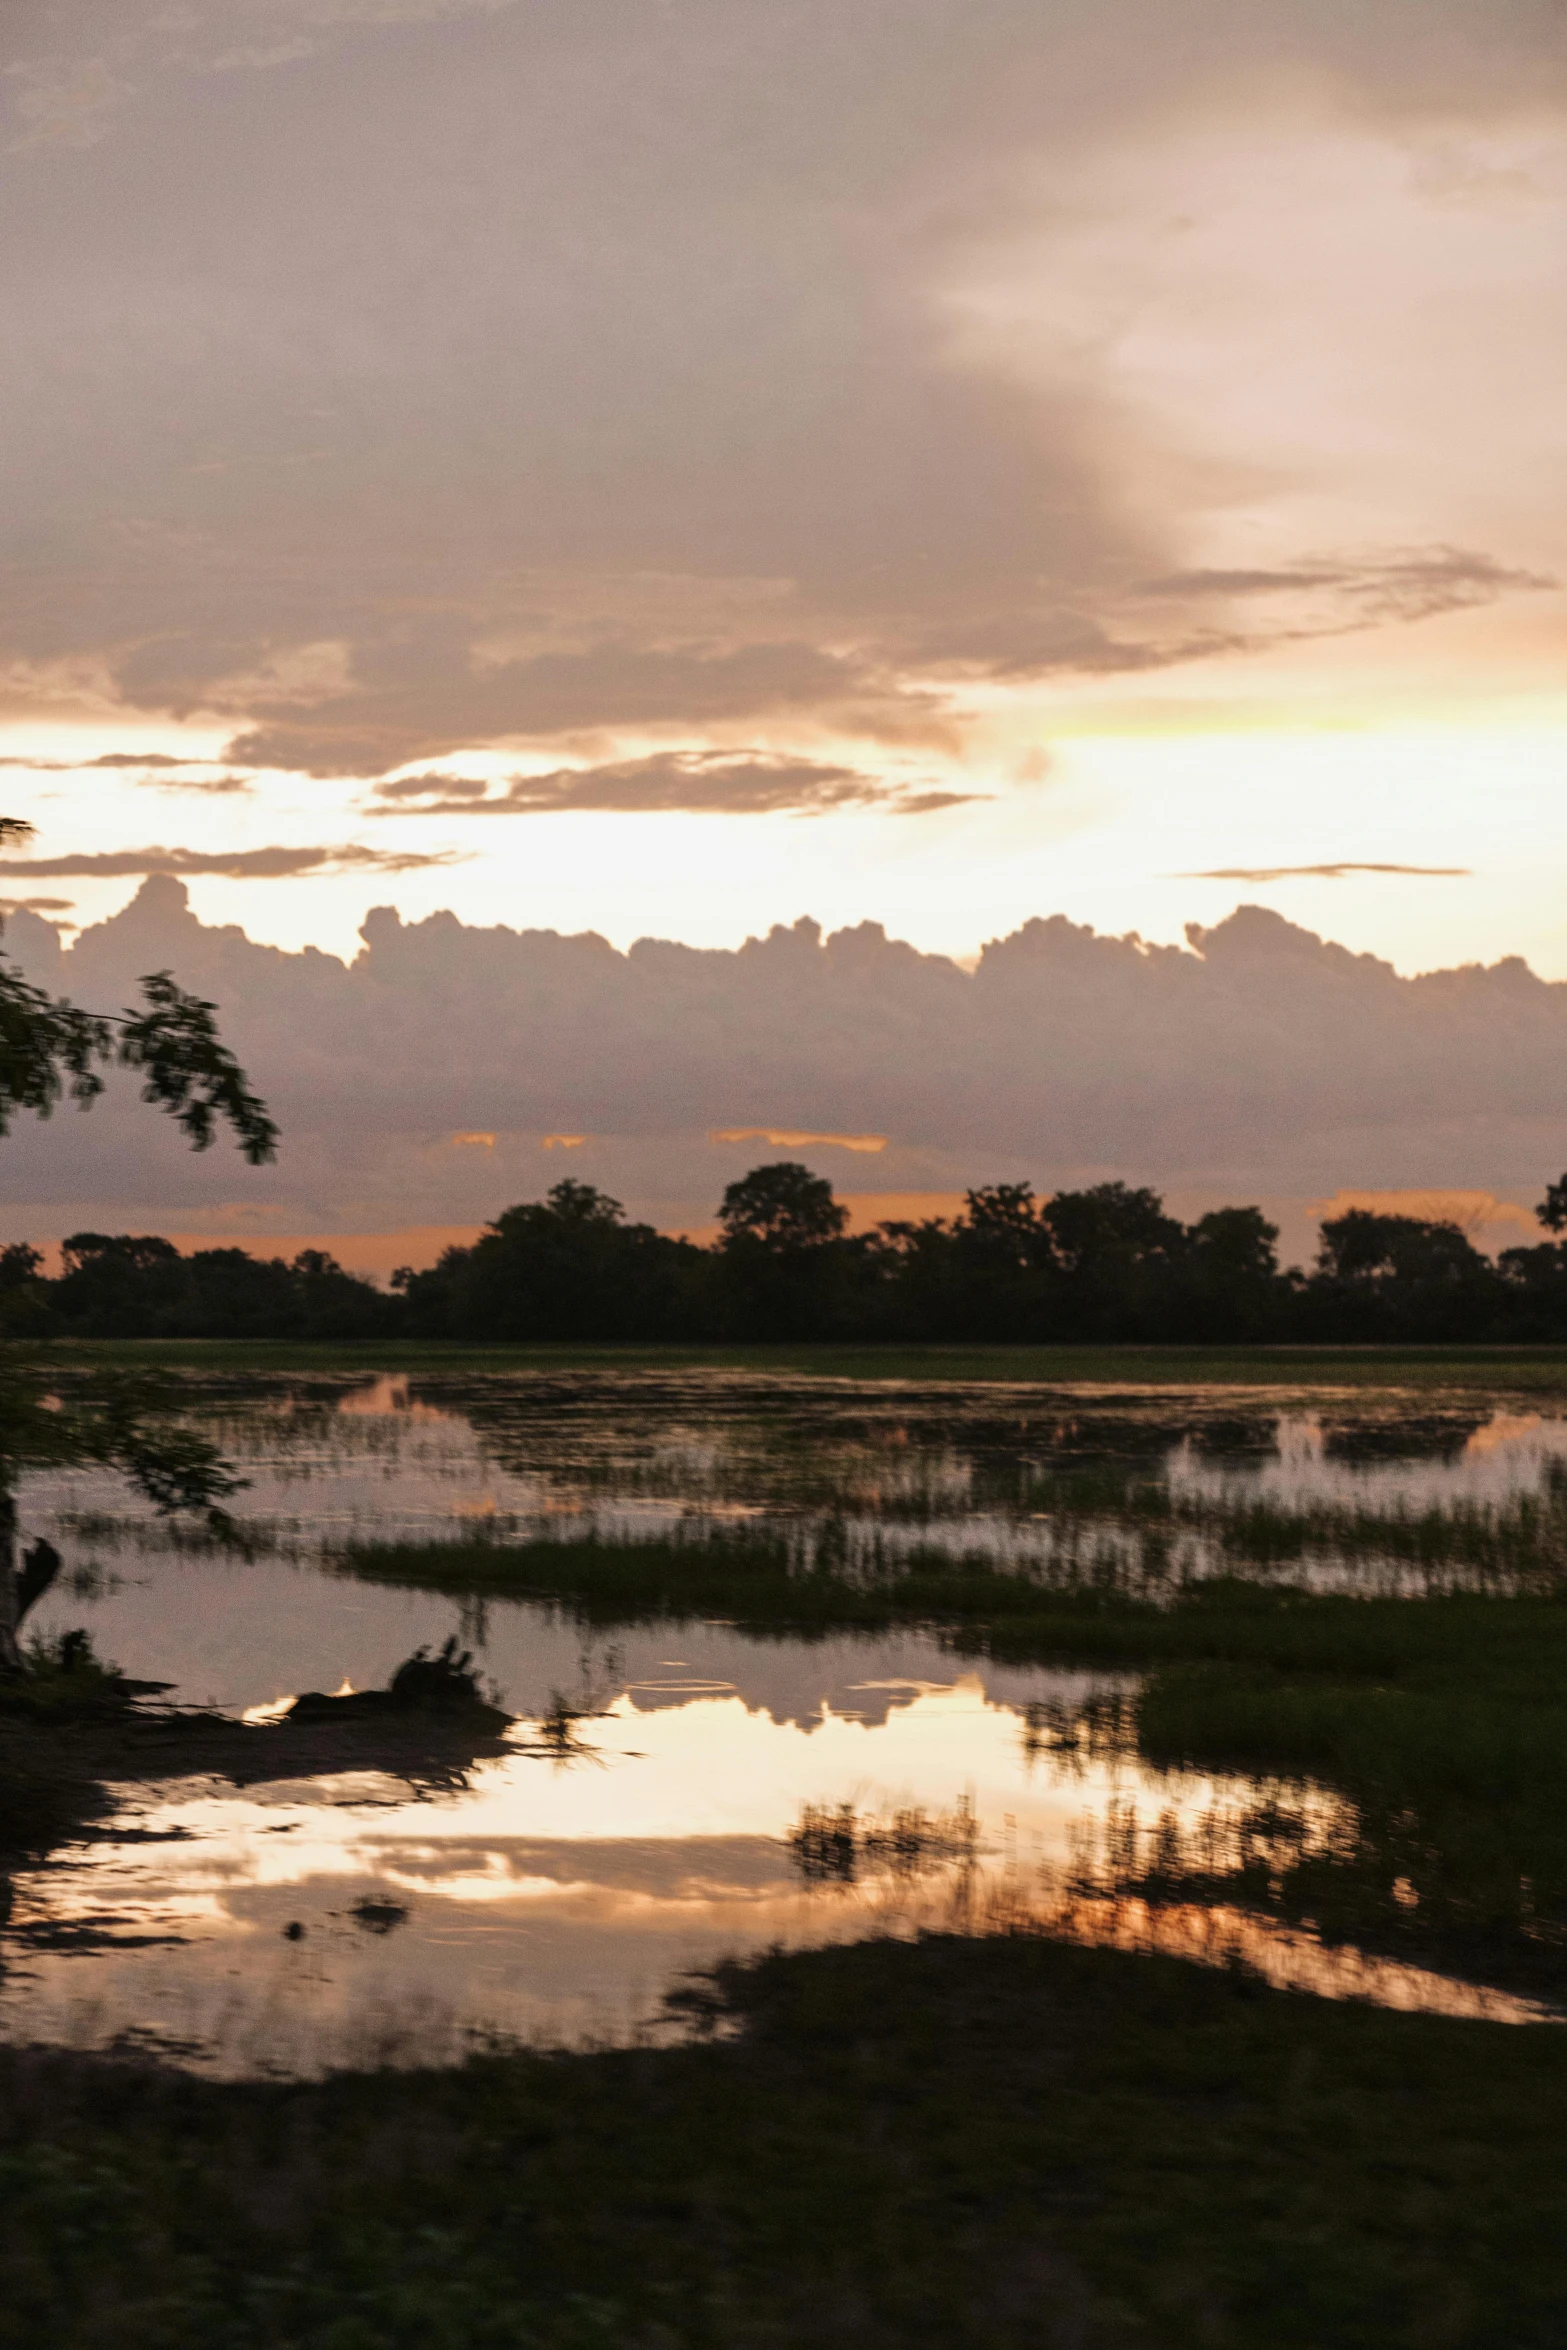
(1509, 1453)
(561, 1897)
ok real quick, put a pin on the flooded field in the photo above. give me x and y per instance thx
(677, 1789)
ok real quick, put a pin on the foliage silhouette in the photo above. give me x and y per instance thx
(1105, 1265)
(49, 1047)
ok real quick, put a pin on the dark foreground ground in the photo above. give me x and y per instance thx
(955, 2142)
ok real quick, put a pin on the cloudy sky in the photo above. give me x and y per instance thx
(678, 469)
(675, 466)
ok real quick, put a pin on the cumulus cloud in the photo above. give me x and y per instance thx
(437, 1076)
(236, 864)
(702, 782)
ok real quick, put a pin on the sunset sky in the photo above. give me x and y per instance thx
(671, 466)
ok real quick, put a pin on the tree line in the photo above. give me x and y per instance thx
(1104, 1264)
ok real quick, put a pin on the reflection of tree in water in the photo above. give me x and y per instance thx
(1405, 1436)
(1379, 1876)
(1074, 1732)
(600, 1677)
(837, 1844)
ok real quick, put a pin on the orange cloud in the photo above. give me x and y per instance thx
(786, 1138)
(563, 1142)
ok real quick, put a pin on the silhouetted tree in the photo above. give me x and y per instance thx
(781, 1208)
(49, 1046)
(1410, 1277)
(784, 1268)
(1228, 1287)
(566, 1267)
(1114, 1251)
(1552, 1210)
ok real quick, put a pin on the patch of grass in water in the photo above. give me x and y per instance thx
(1441, 1722)
(758, 1574)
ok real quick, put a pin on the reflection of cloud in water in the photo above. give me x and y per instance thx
(1511, 1429)
(559, 1899)
(1508, 1453)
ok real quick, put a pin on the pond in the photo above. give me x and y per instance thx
(675, 1792)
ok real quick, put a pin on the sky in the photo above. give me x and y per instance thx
(669, 468)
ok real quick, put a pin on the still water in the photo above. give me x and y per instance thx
(712, 1792)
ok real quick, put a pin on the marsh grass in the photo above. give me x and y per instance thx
(838, 1844)
(1515, 1544)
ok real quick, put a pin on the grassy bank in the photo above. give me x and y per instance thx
(756, 1579)
(955, 2143)
(1513, 1370)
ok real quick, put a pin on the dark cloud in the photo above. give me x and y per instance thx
(1415, 582)
(1256, 1060)
(1323, 872)
(587, 368)
(702, 782)
(236, 864)
(421, 696)
(1338, 597)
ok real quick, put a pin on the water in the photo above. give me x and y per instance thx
(716, 1792)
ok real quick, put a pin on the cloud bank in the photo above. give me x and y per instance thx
(439, 1075)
